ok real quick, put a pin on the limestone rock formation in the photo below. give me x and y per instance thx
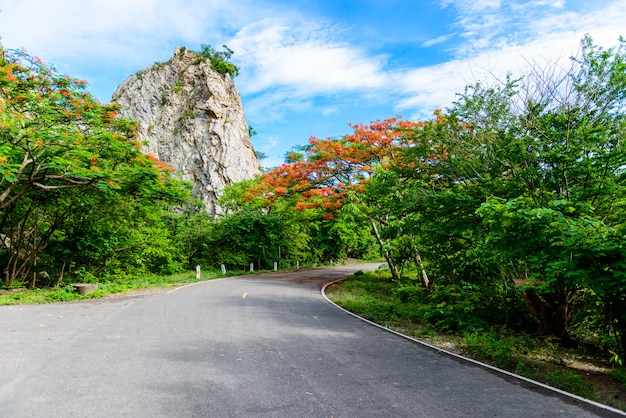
(192, 118)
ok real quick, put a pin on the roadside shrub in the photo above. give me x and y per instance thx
(619, 374)
(450, 308)
(410, 293)
(568, 381)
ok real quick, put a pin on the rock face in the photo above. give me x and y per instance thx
(192, 118)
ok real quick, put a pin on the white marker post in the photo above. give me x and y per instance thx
(251, 266)
(223, 269)
(198, 272)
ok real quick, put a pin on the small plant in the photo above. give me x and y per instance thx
(619, 374)
(187, 114)
(568, 381)
(178, 86)
(615, 358)
(452, 309)
(528, 370)
(220, 60)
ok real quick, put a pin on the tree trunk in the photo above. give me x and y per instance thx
(61, 273)
(553, 311)
(418, 261)
(392, 266)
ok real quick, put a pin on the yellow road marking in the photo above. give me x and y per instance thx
(245, 295)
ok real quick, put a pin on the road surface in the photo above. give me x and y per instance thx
(255, 346)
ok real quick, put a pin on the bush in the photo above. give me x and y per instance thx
(494, 346)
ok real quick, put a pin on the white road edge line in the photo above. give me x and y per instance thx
(478, 363)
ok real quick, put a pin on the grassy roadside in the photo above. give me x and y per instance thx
(67, 293)
(125, 286)
(581, 371)
(121, 287)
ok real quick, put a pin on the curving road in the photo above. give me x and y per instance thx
(255, 346)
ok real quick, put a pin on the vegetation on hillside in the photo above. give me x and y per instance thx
(220, 60)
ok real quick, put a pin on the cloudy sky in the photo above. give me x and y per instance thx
(310, 67)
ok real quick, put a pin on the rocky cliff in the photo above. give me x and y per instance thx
(192, 118)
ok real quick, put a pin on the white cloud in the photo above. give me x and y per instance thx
(297, 62)
(437, 40)
(292, 63)
(430, 88)
(111, 29)
(493, 25)
(329, 110)
(272, 106)
(549, 40)
(306, 56)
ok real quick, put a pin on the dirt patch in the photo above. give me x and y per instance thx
(137, 292)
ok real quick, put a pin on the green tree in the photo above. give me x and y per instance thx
(334, 172)
(549, 148)
(191, 229)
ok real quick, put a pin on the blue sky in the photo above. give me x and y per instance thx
(309, 67)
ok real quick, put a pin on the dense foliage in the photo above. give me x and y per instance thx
(80, 202)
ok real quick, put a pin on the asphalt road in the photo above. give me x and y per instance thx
(256, 346)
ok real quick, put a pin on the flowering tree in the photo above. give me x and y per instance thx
(55, 137)
(336, 172)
